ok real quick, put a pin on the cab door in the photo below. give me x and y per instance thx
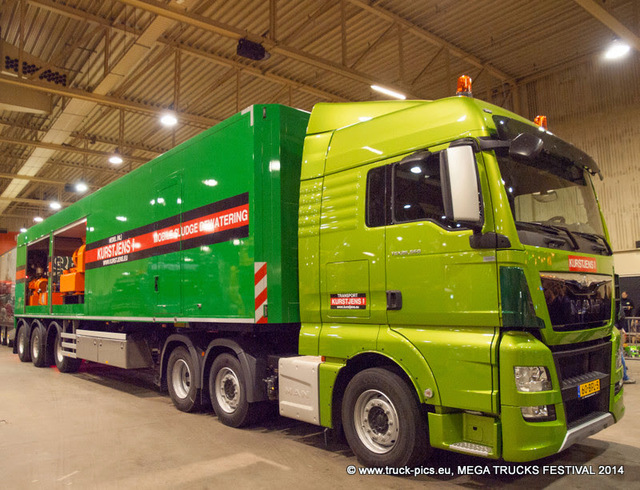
(442, 293)
(352, 267)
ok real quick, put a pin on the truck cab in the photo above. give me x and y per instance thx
(457, 251)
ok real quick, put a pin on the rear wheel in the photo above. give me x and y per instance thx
(181, 380)
(3, 336)
(228, 391)
(38, 354)
(382, 420)
(63, 363)
(24, 349)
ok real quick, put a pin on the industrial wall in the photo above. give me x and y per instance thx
(596, 106)
(7, 241)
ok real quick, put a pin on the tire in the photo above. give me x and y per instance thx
(38, 352)
(383, 422)
(4, 336)
(63, 363)
(228, 392)
(182, 373)
(23, 344)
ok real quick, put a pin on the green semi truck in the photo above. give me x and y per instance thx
(413, 274)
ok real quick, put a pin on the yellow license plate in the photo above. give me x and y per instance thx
(586, 389)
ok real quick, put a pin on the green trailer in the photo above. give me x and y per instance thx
(412, 274)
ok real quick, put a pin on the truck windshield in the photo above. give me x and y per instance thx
(555, 199)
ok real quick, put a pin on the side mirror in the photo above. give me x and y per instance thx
(460, 189)
(525, 147)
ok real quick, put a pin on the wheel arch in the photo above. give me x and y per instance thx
(358, 364)
(178, 340)
(252, 362)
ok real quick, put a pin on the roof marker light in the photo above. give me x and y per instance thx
(464, 86)
(541, 121)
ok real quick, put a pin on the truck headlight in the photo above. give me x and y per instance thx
(540, 413)
(619, 355)
(532, 378)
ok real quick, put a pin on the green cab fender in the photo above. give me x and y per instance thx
(393, 350)
(399, 349)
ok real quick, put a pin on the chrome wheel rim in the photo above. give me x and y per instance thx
(181, 378)
(227, 390)
(59, 355)
(376, 421)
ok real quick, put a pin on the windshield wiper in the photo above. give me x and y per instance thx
(597, 239)
(552, 229)
(570, 235)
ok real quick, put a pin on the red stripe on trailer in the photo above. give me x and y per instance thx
(261, 273)
(260, 295)
(261, 299)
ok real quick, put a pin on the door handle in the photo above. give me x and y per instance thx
(394, 300)
(156, 283)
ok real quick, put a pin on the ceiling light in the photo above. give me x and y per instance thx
(23, 230)
(168, 119)
(55, 205)
(116, 159)
(388, 92)
(617, 50)
(81, 187)
(38, 219)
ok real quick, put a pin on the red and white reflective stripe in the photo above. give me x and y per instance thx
(260, 277)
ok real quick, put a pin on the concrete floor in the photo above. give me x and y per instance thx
(108, 428)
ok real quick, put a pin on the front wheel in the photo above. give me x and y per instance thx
(181, 378)
(382, 420)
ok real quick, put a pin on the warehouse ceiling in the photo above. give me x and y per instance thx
(82, 79)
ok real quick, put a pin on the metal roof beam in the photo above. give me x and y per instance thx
(232, 32)
(66, 148)
(600, 13)
(258, 73)
(433, 39)
(37, 202)
(40, 180)
(106, 100)
(78, 14)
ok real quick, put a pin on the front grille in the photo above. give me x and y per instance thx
(576, 367)
(577, 301)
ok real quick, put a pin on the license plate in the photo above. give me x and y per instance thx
(586, 389)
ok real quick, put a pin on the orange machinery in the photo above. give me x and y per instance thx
(72, 280)
(38, 288)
